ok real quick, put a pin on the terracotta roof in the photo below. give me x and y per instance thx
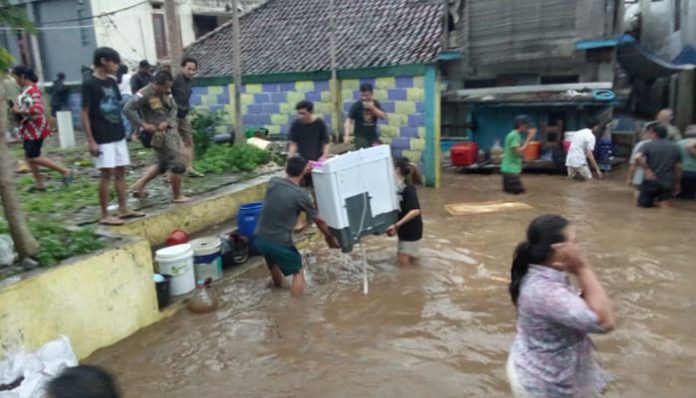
(293, 36)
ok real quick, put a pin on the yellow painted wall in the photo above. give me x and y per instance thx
(101, 299)
(95, 301)
(197, 216)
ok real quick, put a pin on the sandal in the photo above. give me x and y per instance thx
(140, 194)
(130, 215)
(112, 222)
(182, 200)
(35, 189)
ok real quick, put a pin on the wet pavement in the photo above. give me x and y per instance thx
(441, 328)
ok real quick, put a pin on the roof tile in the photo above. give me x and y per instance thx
(293, 36)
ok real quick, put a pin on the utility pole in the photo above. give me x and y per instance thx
(174, 34)
(35, 48)
(237, 61)
(334, 73)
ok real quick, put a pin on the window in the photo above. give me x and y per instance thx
(160, 35)
(677, 15)
(480, 83)
(560, 79)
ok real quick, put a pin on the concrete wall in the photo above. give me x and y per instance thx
(130, 32)
(272, 105)
(94, 300)
(100, 299)
(64, 47)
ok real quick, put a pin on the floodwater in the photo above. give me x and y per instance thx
(439, 329)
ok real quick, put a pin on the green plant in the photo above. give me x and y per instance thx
(225, 158)
(56, 243)
(204, 124)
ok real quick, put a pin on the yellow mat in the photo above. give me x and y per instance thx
(462, 209)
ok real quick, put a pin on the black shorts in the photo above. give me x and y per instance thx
(650, 191)
(32, 148)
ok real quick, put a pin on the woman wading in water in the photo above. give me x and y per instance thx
(552, 356)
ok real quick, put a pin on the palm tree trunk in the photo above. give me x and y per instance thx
(24, 241)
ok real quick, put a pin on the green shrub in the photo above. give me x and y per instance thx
(204, 124)
(230, 158)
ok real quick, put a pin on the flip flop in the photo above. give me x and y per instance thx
(140, 195)
(130, 215)
(112, 222)
(180, 201)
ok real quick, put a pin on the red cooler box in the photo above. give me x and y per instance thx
(464, 154)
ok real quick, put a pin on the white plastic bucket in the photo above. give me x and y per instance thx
(207, 261)
(177, 261)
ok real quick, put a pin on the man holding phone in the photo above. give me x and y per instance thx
(106, 136)
(362, 119)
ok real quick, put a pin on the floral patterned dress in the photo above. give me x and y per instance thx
(552, 354)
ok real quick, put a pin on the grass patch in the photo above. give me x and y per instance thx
(56, 243)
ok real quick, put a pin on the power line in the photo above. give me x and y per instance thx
(104, 14)
(4, 28)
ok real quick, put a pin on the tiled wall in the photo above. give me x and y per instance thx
(272, 105)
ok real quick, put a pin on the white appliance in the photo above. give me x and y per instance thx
(356, 194)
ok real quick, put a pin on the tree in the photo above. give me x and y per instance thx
(24, 241)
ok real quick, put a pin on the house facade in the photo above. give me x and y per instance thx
(395, 45)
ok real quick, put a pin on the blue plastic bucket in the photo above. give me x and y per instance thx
(247, 217)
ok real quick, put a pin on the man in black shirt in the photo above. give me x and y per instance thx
(142, 77)
(362, 119)
(106, 136)
(59, 95)
(661, 160)
(309, 136)
(181, 91)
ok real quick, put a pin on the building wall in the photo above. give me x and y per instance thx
(53, 43)
(272, 105)
(55, 38)
(532, 37)
(657, 27)
(129, 32)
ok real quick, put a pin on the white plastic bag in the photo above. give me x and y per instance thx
(7, 252)
(37, 368)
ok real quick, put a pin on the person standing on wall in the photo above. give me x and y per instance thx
(687, 146)
(123, 78)
(106, 136)
(33, 126)
(309, 135)
(142, 77)
(159, 112)
(513, 152)
(662, 162)
(582, 147)
(181, 91)
(362, 119)
(60, 94)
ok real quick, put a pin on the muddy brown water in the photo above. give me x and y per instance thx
(439, 329)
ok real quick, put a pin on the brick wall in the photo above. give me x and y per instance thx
(272, 105)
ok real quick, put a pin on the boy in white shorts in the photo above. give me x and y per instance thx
(106, 136)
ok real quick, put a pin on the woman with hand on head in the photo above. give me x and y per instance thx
(552, 355)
